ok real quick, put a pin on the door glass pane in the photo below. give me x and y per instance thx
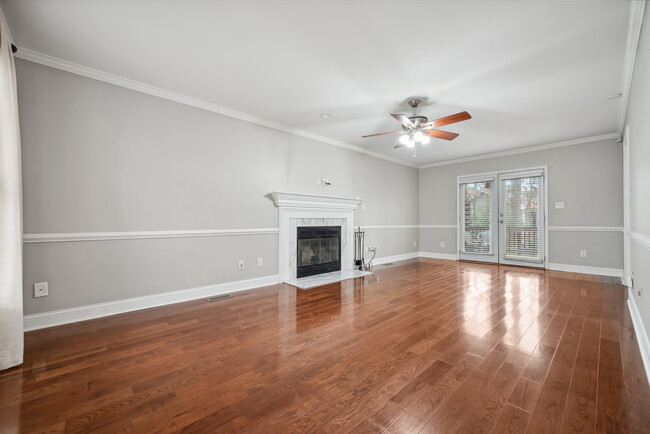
(522, 205)
(477, 220)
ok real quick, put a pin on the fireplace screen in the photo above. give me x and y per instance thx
(319, 250)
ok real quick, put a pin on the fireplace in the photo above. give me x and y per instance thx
(299, 210)
(319, 250)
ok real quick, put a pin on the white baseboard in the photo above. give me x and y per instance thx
(613, 272)
(641, 334)
(434, 255)
(395, 258)
(82, 313)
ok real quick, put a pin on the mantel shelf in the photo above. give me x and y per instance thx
(300, 200)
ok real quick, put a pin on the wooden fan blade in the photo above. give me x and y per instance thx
(403, 120)
(462, 116)
(441, 134)
(382, 134)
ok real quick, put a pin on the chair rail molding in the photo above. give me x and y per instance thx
(140, 235)
(586, 228)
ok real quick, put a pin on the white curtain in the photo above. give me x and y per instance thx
(11, 249)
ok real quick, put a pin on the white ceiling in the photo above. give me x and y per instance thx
(529, 72)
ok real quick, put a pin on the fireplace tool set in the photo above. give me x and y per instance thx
(359, 248)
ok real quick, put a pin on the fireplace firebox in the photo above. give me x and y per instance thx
(319, 250)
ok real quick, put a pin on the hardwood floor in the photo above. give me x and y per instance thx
(421, 346)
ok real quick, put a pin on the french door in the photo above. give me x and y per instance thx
(501, 218)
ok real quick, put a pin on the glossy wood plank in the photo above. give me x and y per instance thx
(525, 394)
(511, 421)
(421, 346)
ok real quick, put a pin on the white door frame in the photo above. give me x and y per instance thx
(496, 174)
(627, 194)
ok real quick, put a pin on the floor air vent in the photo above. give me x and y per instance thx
(219, 297)
(387, 264)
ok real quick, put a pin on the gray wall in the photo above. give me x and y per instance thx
(101, 158)
(638, 120)
(588, 178)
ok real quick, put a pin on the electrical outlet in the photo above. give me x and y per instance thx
(442, 244)
(583, 253)
(415, 243)
(241, 264)
(260, 262)
(319, 181)
(40, 289)
(640, 292)
(559, 205)
(363, 206)
(373, 248)
(326, 182)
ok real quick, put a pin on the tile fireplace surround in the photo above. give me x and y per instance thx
(296, 209)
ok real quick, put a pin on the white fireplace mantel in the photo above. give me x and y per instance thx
(297, 209)
(299, 200)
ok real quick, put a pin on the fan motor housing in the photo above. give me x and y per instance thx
(417, 120)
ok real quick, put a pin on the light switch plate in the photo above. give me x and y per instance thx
(559, 205)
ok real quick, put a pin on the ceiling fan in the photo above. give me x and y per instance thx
(418, 129)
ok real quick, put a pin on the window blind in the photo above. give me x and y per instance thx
(523, 214)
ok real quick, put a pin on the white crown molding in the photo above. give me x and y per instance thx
(95, 74)
(633, 34)
(438, 226)
(435, 255)
(599, 271)
(524, 150)
(644, 240)
(82, 313)
(108, 236)
(285, 199)
(586, 228)
(639, 330)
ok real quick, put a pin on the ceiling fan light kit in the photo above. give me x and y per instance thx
(417, 129)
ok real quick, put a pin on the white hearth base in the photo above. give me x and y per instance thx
(326, 278)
